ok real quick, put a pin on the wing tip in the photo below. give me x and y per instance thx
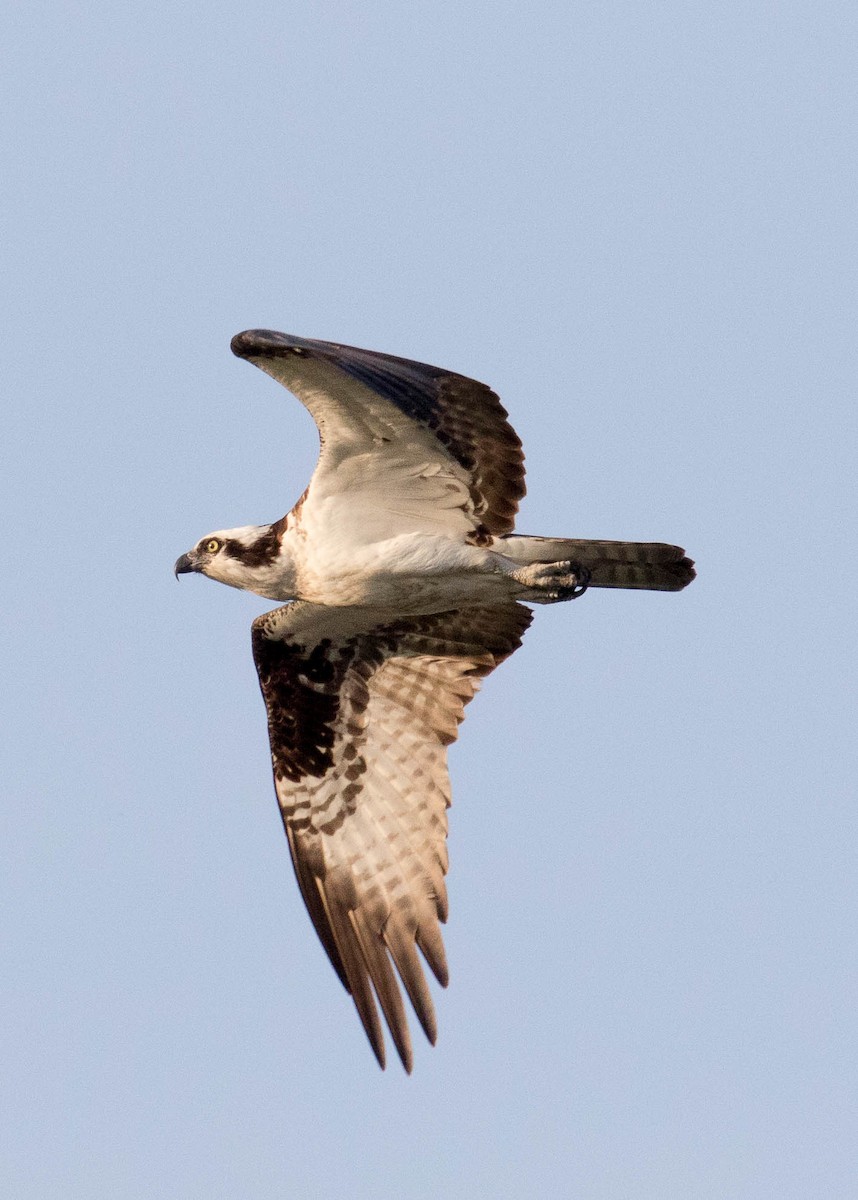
(261, 343)
(378, 1050)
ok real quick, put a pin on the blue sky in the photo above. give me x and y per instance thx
(637, 222)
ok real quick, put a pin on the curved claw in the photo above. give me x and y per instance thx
(584, 577)
(582, 582)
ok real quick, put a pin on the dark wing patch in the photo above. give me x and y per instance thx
(360, 712)
(465, 416)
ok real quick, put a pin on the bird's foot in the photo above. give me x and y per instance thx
(550, 583)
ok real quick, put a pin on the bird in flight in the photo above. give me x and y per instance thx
(406, 587)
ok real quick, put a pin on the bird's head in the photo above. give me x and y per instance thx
(243, 558)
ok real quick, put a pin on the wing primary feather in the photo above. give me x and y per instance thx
(316, 908)
(431, 944)
(355, 970)
(400, 943)
(384, 982)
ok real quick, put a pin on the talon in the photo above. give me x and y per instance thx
(583, 577)
(563, 580)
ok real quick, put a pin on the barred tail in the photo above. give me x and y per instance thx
(650, 565)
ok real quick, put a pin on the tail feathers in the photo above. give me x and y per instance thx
(650, 565)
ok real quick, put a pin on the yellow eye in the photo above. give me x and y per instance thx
(212, 545)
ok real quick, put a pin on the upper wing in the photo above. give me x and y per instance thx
(361, 708)
(400, 435)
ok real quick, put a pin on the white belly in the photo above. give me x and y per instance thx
(412, 572)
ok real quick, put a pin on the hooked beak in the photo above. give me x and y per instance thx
(185, 565)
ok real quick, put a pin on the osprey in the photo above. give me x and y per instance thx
(406, 584)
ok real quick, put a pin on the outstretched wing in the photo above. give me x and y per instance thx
(361, 708)
(407, 439)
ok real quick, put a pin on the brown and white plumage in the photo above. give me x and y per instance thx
(361, 709)
(393, 430)
(407, 580)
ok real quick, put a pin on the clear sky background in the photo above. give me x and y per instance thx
(637, 222)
